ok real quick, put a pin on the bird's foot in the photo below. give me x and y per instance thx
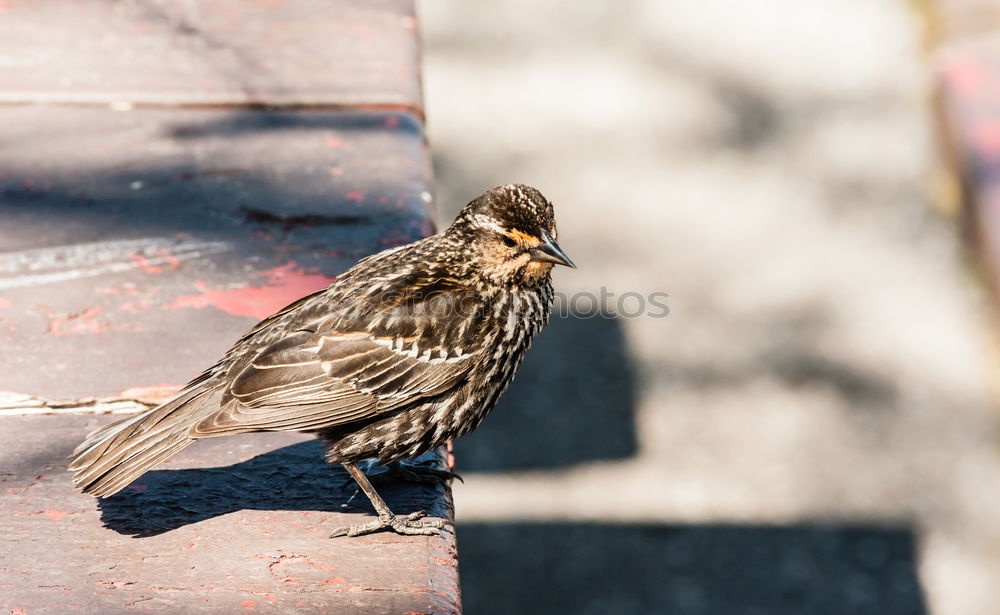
(414, 473)
(409, 525)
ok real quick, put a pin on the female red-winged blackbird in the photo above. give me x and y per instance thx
(409, 348)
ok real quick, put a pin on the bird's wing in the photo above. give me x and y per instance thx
(354, 366)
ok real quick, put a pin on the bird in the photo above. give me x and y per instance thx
(406, 350)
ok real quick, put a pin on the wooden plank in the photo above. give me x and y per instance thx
(230, 525)
(155, 210)
(136, 247)
(210, 52)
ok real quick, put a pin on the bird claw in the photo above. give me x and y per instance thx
(414, 473)
(408, 525)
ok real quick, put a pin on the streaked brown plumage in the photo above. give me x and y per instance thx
(409, 348)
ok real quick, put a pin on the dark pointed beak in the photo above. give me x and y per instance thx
(550, 252)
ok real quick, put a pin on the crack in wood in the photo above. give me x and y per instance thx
(19, 404)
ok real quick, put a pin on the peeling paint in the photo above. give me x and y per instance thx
(151, 394)
(13, 404)
(284, 285)
(155, 264)
(131, 306)
(62, 263)
(333, 581)
(84, 321)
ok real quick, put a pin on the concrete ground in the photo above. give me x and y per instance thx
(812, 428)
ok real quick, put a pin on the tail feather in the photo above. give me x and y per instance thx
(115, 455)
(119, 476)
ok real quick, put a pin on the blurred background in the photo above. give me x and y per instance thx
(813, 427)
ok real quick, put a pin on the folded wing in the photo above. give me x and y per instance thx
(350, 368)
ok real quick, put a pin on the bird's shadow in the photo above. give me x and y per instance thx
(294, 477)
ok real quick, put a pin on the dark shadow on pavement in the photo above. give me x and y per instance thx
(572, 401)
(597, 569)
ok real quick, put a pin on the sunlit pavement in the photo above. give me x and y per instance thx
(816, 407)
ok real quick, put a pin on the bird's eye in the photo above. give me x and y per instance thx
(508, 241)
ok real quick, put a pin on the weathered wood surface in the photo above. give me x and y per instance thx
(152, 209)
(302, 53)
(135, 247)
(230, 525)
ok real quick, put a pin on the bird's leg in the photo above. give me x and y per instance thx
(415, 473)
(409, 525)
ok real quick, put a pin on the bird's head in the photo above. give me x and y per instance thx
(512, 232)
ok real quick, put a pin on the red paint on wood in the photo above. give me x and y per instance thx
(288, 581)
(285, 284)
(154, 393)
(142, 263)
(162, 254)
(131, 306)
(333, 581)
(79, 322)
